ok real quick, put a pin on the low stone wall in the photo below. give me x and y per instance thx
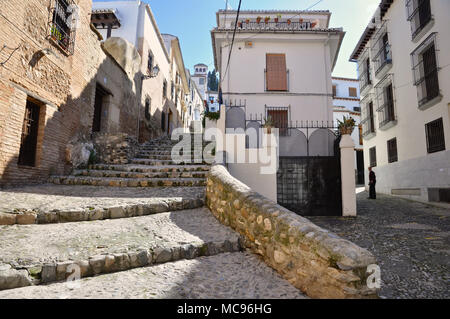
(319, 263)
(115, 149)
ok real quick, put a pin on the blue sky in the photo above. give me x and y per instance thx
(192, 21)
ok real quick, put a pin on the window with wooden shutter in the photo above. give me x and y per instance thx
(276, 76)
(352, 92)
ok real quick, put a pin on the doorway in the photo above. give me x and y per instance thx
(29, 139)
(100, 94)
(169, 123)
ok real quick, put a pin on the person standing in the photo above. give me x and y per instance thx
(372, 182)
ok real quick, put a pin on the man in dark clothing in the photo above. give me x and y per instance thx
(372, 182)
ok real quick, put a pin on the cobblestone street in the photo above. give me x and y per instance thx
(409, 239)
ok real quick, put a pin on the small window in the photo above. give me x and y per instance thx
(63, 24)
(150, 63)
(147, 109)
(357, 109)
(392, 150)
(368, 120)
(435, 136)
(334, 90)
(352, 92)
(373, 156)
(201, 81)
(164, 89)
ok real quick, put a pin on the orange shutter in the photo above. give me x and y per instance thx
(276, 76)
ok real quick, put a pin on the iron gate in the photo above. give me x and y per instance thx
(310, 185)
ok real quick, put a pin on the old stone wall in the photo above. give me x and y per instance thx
(319, 263)
(115, 149)
(63, 84)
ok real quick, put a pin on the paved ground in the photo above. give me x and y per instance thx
(25, 245)
(50, 197)
(229, 275)
(410, 240)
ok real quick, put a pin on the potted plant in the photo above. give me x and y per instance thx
(300, 20)
(247, 21)
(258, 19)
(346, 126)
(266, 20)
(268, 124)
(313, 24)
(278, 17)
(240, 24)
(289, 21)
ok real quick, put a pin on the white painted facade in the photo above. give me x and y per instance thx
(212, 98)
(310, 59)
(138, 26)
(416, 170)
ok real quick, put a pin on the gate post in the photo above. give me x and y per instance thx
(348, 175)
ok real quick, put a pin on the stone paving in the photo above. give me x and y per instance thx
(227, 276)
(28, 245)
(410, 240)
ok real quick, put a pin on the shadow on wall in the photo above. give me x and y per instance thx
(108, 103)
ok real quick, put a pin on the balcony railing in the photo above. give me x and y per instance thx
(382, 57)
(386, 113)
(293, 26)
(419, 14)
(364, 80)
(368, 125)
(62, 29)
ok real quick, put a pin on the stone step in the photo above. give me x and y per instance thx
(237, 275)
(48, 252)
(127, 182)
(151, 169)
(137, 175)
(49, 203)
(152, 162)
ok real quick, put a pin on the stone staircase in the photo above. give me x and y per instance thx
(135, 240)
(153, 166)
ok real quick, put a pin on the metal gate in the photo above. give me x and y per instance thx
(309, 173)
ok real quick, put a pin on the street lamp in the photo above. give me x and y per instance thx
(153, 74)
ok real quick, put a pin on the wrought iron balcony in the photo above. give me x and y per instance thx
(64, 18)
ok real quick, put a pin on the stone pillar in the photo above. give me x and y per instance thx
(348, 175)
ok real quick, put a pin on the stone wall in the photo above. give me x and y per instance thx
(115, 149)
(319, 263)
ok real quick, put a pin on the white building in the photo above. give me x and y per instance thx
(346, 104)
(138, 26)
(200, 78)
(279, 69)
(212, 98)
(403, 59)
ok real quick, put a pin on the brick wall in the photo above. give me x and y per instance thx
(65, 84)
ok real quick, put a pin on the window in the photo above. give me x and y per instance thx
(29, 139)
(392, 150)
(150, 63)
(201, 81)
(164, 89)
(280, 118)
(381, 50)
(334, 90)
(365, 78)
(147, 109)
(357, 109)
(385, 97)
(373, 156)
(276, 73)
(172, 91)
(419, 14)
(368, 121)
(163, 121)
(63, 24)
(360, 129)
(425, 69)
(435, 136)
(352, 92)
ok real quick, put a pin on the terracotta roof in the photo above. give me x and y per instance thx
(344, 79)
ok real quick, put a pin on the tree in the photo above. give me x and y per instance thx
(213, 81)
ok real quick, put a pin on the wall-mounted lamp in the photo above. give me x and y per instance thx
(153, 74)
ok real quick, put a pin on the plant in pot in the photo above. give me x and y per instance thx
(266, 20)
(258, 19)
(346, 126)
(247, 21)
(278, 17)
(240, 24)
(289, 21)
(300, 20)
(268, 124)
